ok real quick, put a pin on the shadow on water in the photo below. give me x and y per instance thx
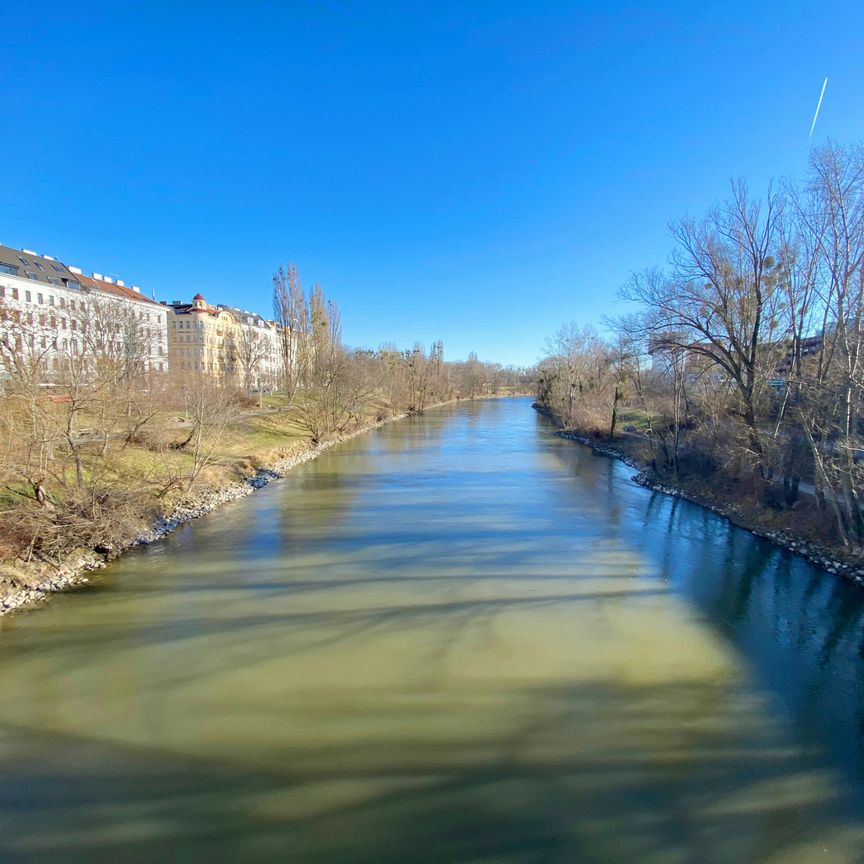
(459, 639)
(800, 629)
(532, 793)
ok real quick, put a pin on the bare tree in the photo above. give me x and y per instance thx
(417, 376)
(292, 315)
(576, 378)
(828, 387)
(211, 407)
(723, 299)
(250, 348)
(472, 376)
(72, 398)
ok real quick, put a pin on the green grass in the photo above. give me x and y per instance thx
(630, 416)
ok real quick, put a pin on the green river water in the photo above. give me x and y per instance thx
(456, 639)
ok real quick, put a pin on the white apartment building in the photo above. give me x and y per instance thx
(135, 317)
(51, 313)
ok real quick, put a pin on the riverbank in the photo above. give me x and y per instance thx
(40, 579)
(760, 523)
(24, 584)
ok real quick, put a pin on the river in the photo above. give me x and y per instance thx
(458, 638)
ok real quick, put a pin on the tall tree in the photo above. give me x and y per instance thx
(831, 222)
(723, 298)
(292, 316)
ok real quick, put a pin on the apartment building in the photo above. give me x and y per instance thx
(126, 320)
(259, 347)
(223, 341)
(39, 300)
(51, 313)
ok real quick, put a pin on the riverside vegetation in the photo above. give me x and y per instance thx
(101, 453)
(752, 400)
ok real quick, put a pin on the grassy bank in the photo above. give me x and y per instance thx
(141, 476)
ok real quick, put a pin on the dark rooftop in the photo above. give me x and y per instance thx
(30, 265)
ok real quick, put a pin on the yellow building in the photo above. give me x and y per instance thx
(215, 340)
(197, 337)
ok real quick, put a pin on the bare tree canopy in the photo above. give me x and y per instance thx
(742, 361)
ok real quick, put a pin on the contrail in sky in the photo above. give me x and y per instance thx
(816, 115)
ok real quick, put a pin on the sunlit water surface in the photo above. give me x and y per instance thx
(457, 639)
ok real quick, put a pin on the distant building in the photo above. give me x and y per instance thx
(140, 324)
(810, 346)
(51, 312)
(260, 346)
(223, 341)
(668, 352)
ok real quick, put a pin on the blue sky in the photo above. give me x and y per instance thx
(474, 172)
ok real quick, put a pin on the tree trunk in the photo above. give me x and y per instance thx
(615, 400)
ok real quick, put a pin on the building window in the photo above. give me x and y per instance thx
(14, 293)
(50, 300)
(40, 298)
(39, 266)
(33, 276)
(11, 269)
(28, 296)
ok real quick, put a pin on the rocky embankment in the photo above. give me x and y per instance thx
(819, 555)
(48, 579)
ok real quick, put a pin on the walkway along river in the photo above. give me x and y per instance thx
(458, 638)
